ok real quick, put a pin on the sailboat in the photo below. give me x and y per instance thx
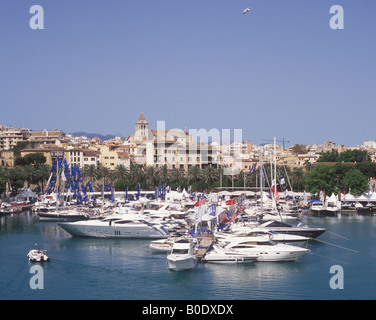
(62, 213)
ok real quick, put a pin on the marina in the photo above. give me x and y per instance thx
(118, 268)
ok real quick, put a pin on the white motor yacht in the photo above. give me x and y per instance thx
(64, 214)
(37, 255)
(182, 256)
(244, 232)
(116, 226)
(266, 249)
(165, 245)
(161, 245)
(222, 255)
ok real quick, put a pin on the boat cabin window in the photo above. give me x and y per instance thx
(126, 221)
(180, 251)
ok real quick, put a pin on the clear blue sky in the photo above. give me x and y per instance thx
(277, 71)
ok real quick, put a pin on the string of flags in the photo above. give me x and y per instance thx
(72, 182)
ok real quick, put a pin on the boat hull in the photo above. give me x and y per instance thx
(277, 253)
(324, 213)
(77, 229)
(179, 263)
(304, 232)
(229, 258)
(48, 216)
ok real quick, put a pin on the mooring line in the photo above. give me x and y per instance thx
(316, 254)
(335, 245)
(338, 235)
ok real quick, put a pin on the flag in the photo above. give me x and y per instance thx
(211, 210)
(48, 183)
(83, 188)
(253, 169)
(230, 202)
(263, 173)
(199, 202)
(73, 171)
(78, 170)
(90, 186)
(322, 197)
(63, 176)
(59, 162)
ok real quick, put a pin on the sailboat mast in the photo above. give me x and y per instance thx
(57, 184)
(261, 189)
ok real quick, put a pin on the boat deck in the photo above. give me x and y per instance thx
(204, 244)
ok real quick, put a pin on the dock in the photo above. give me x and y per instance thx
(205, 242)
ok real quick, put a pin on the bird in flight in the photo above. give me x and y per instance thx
(246, 10)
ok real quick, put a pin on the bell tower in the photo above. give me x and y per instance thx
(142, 128)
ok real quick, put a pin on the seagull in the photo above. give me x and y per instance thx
(246, 10)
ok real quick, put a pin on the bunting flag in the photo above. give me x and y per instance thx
(90, 186)
(66, 169)
(253, 169)
(211, 210)
(83, 188)
(63, 176)
(73, 171)
(79, 197)
(305, 199)
(282, 182)
(231, 202)
(59, 162)
(199, 202)
(263, 173)
(48, 183)
(322, 197)
(108, 187)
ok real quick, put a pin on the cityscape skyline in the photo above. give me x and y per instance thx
(279, 70)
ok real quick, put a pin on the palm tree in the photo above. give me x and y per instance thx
(42, 173)
(176, 175)
(163, 173)
(151, 176)
(298, 179)
(104, 173)
(194, 174)
(121, 172)
(210, 174)
(90, 173)
(136, 174)
(28, 174)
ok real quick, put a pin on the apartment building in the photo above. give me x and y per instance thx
(9, 137)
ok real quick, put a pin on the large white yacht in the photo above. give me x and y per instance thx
(246, 233)
(116, 226)
(222, 255)
(265, 249)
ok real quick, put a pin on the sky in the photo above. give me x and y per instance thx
(278, 70)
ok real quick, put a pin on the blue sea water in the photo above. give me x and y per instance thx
(129, 270)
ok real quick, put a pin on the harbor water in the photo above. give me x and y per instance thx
(128, 269)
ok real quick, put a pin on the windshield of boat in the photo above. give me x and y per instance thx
(180, 251)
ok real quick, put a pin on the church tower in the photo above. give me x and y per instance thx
(142, 129)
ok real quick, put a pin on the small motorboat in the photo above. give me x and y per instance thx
(182, 256)
(36, 255)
